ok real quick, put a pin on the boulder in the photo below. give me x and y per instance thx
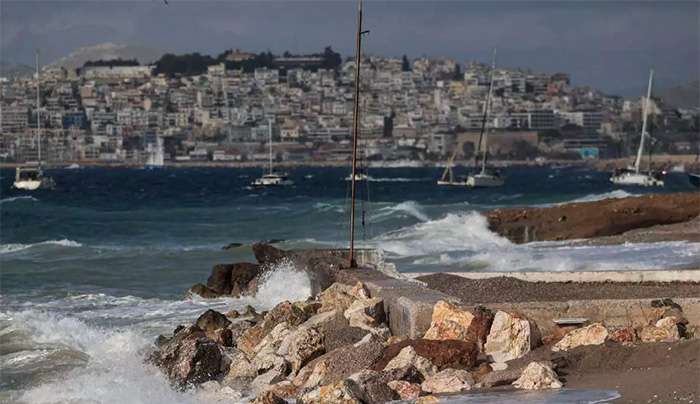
(268, 397)
(448, 381)
(366, 313)
(233, 314)
(338, 296)
(405, 390)
(277, 374)
(624, 335)
(342, 392)
(443, 354)
(511, 337)
(240, 367)
(370, 388)
(337, 337)
(306, 345)
(594, 334)
(340, 363)
(501, 377)
(202, 291)
(283, 312)
(189, 358)
(537, 376)
(450, 322)
(212, 320)
(242, 277)
(266, 254)
(266, 356)
(408, 357)
(360, 291)
(220, 279)
(665, 330)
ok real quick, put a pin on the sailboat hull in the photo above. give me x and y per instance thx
(30, 185)
(636, 179)
(484, 181)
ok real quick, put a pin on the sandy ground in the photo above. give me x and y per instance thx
(508, 290)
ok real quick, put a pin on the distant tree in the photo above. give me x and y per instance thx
(457, 76)
(187, 65)
(405, 64)
(112, 62)
(331, 60)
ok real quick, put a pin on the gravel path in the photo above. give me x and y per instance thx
(508, 290)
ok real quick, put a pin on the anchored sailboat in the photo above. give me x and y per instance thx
(272, 178)
(633, 175)
(30, 176)
(486, 177)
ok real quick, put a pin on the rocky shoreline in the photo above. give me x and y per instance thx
(585, 220)
(338, 346)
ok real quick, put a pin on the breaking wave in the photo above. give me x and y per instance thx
(408, 208)
(11, 248)
(18, 198)
(616, 194)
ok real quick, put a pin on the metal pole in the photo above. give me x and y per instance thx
(356, 126)
(38, 108)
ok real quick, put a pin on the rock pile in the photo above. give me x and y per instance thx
(338, 348)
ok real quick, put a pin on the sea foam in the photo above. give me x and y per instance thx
(11, 248)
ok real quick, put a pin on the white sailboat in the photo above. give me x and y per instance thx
(156, 154)
(30, 176)
(272, 178)
(486, 177)
(632, 175)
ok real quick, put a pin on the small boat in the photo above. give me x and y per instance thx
(272, 178)
(30, 176)
(694, 179)
(358, 177)
(632, 175)
(73, 166)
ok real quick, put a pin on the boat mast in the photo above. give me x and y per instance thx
(356, 131)
(269, 141)
(638, 161)
(487, 112)
(38, 108)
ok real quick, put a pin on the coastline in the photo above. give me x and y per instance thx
(690, 163)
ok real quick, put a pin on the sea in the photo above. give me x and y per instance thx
(92, 271)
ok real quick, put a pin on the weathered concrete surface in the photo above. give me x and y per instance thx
(680, 275)
(408, 304)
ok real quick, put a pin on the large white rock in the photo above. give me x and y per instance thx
(594, 334)
(409, 357)
(366, 313)
(665, 330)
(448, 381)
(511, 337)
(449, 322)
(537, 376)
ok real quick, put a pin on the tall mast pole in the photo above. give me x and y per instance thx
(487, 113)
(356, 132)
(38, 109)
(269, 141)
(638, 161)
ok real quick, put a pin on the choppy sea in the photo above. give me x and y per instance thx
(93, 270)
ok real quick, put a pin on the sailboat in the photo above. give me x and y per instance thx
(156, 156)
(272, 178)
(633, 175)
(486, 177)
(30, 176)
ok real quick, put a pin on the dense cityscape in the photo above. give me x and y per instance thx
(199, 109)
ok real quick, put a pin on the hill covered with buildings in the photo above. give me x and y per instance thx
(202, 108)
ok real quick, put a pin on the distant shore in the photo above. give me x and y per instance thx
(688, 161)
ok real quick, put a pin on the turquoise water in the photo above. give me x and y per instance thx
(96, 268)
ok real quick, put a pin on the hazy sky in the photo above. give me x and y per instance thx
(606, 44)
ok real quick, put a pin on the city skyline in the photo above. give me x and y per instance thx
(608, 45)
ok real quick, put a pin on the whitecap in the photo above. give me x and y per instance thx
(407, 208)
(12, 248)
(18, 198)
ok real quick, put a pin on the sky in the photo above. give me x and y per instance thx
(609, 45)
